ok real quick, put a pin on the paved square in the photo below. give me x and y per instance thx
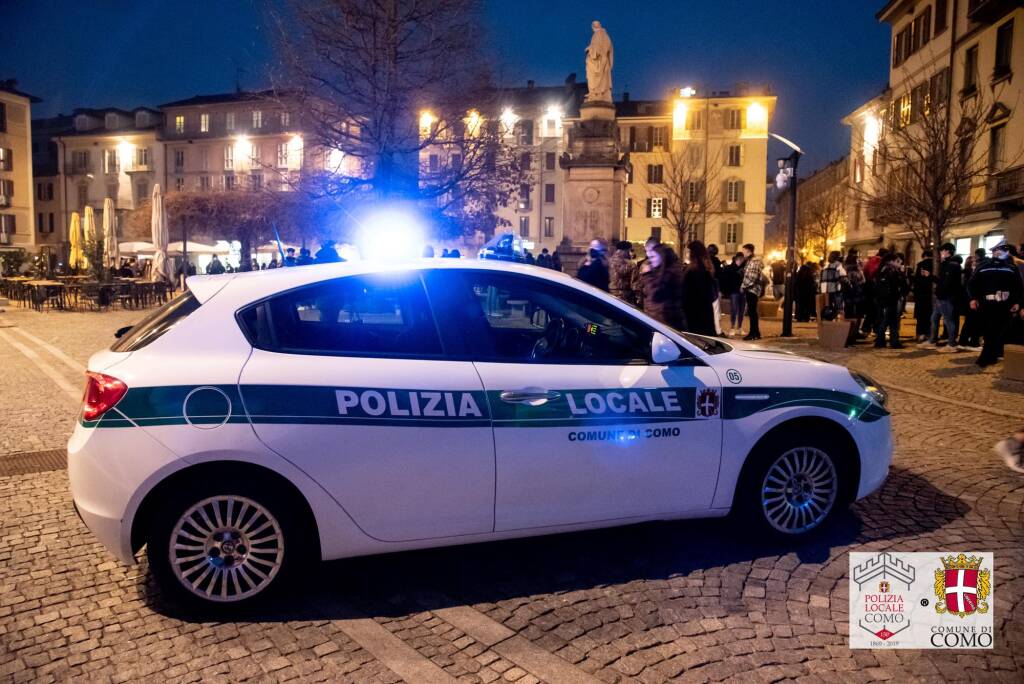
(694, 600)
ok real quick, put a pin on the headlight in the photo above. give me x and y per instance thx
(871, 388)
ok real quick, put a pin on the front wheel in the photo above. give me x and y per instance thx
(222, 547)
(793, 488)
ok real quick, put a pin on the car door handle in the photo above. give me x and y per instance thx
(530, 397)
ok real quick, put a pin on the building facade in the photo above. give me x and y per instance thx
(964, 54)
(17, 203)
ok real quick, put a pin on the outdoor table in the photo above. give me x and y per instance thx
(41, 290)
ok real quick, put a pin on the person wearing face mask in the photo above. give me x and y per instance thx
(995, 292)
(662, 281)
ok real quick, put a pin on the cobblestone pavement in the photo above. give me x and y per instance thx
(696, 601)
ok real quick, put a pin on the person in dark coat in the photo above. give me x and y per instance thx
(327, 254)
(890, 286)
(729, 286)
(594, 269)
(922, 287)
(662, 283)
(995, 292)
(805, 290)
(700, 290)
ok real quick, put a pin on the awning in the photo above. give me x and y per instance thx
(976, 228)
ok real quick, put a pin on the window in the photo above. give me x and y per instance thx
(657, 207)
(434, 163)
(734, 119)
(385, 315)
(525, 127)
(141, 191)
(204, 123)
(229, 157)
(902, 46)
(524, 226)
(694, 120)
(693, 191)
(1004, 50)
(80, 161)
(229, 181)
(734, 192)
(629, 176)
(255, 155)
(83, 196)
(39, 222)
(525, 161)
(3, 117)
(658, 136)
(51, 222)
(110, 161)
(971, 70)
(204, 183)
(257, 118)
(549, 192)
(735, 157)
(524, 196)
(179, 159)
(49, 192)
(655, 173)
(549, 226)
(112, 191)
(179, 183)
(142, 157)
(656, 233)
(179, 123)
(549, 161)
(39, 192)
(6, 159)
(629, 207)
(229, 121)
(204, 158)
(286, 119)
(282, 155)
(524, 320)
(7, 188)
(941, 16)
(256, 182)
(8, 224)
(732, 233)
(997, 147)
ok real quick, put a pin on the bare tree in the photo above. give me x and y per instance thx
(385, 84)
(932, 161)
(691, 189)
(822, 221)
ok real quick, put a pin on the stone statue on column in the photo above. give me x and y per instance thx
(600, 59)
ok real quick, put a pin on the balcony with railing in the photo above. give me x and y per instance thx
(1007, 187)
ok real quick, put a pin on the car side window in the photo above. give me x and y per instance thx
(521, 319)
(384, 314)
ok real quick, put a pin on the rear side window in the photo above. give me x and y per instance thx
(157, 323)
(380, 315)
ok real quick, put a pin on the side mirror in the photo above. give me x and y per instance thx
(663, 350)
(121, 332)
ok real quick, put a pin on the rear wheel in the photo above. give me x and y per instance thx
(223, 545)
(794, 486)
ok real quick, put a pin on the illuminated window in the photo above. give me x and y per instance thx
(658, 136)
(179, 123)
(6, 159)
(549, 226)
(657, 206)
(629, 207)
(524, 226)
(142, 157)
(257, 118)
(286, 119)
(204, 123)
(255, 155)
(734, 119)
(229, 157)
(110, 161)
(282, 155)
(229, 121)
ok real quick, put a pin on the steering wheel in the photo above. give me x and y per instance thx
(552, 339)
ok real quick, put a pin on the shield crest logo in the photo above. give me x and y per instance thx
(707, 403)
(962, 586)
(883, 587)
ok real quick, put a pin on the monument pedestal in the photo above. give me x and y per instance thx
(595, 182)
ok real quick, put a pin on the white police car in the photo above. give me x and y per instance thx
(263, 421)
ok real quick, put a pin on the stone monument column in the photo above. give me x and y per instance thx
(595, 166)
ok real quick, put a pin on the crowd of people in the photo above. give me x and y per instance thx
(985, 292)
(687, 295)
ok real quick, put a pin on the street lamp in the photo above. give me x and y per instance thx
(787, 177)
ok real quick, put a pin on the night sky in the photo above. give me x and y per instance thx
(823, 58)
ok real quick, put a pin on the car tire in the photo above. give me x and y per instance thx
(793, 486)
(221, 546)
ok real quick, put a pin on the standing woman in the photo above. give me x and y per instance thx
(853, 299)
(661, 279)
(729, 284)
(700, 290)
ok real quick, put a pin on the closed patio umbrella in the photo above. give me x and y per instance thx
(89, 236)
(75, 256)
(111, 251)
(161, 268)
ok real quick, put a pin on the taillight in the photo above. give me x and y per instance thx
(101, 393)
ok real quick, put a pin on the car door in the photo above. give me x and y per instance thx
(348, 380)
(586, 427)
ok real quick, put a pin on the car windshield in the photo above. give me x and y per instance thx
(157, 323)
(708, 345)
